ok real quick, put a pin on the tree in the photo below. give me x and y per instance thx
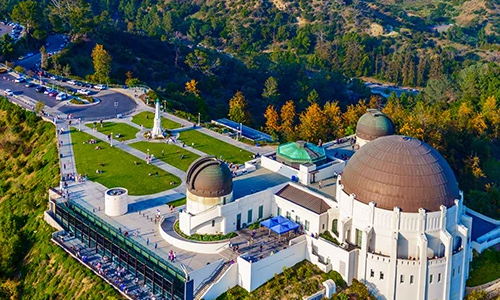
(74, 16)
(312, 124)
(191, 87)
(29, 15)
(352, 115)
(334, 120)
(102, 63)
(43, 58)
(39, 107)
(202, 61)
(66, 70)
(19, 69)
(7, 46)
(313, 97)
(288, 118)
(272, 120)
(270, 92)
(238, 109)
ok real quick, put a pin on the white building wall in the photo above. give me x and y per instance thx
(202, 274)
(224, 283)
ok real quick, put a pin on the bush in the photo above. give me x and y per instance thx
(19, 69)
(204, 237)
(76, 101)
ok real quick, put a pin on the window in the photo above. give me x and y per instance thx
(381, 276)
(306, 225)
(459, 270)
(213, 223)
(430, 278)
(359, 237)
(297, 219)
(279, 211)
(411, 279)
(402, 279)
(288, 215)
(453, 273)
(372, 273)
(335, 225)
(249, 216)
(323, 227)
(261, 211)
(439, 277)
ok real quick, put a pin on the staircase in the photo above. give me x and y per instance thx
(213, 278)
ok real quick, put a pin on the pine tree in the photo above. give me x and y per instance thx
(271, 93)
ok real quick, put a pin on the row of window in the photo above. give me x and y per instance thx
(297, 219)
(402, 277)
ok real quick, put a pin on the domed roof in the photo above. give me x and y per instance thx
(374, 124)
(300, 152)
(209, 177)
(400, 171)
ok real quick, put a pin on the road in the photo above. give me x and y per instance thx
(386, 90)
(105, 109)
(55, 42)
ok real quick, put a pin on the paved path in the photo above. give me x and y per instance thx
(139, 154)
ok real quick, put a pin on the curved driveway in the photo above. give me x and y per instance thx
(104, 110)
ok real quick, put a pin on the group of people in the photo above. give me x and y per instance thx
(172, 255)
(149, 158)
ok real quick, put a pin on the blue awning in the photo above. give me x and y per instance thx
(285, 227)
(273, 221)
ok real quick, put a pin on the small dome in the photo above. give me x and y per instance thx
(374, 124)
(209, 177)
(300, 152)
(400, 171)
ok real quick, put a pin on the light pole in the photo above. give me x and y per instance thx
(79, 124)
(111, 139)
(116, 109)
(148, 152)
(198, 119)
(165, 105)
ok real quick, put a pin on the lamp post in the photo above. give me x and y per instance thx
(165, 105)
(79, 124)
(148, 152)
(116, 109)
(199, 118)
(111, 139)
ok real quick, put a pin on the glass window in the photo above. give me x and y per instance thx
(411, 279)
(297, 219)
(261, 211)
(288, 215)
(306, 225)
(439, 277)
(335, 224)
(372, 273)
(359, 237)
(402, 279)
(213, 223)
(381, 276)
(279, 211)
(430, 278)
(249, 219)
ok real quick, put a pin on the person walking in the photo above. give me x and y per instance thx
(156, 246)
(147, 242)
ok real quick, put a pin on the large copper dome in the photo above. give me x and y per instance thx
(209, 177)
(374, 124)
(400, 171)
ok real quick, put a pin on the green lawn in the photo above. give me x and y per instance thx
(485, 267)
(118, 168)
(126, 131)
(216, 147)
(177, 203)
(146, 118)
(172, 153)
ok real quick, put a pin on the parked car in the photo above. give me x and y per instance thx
(85, 92)
(8, 92)
(62, 96)
(53, 94)
(72, 82)
(47, 91)
(19, 79)
(100, 87)
(29, 84)
(40, 89)
(89, 85)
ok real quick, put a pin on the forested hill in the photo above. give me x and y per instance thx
(31, 267)
(311, 49)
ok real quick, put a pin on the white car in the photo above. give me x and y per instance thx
(72, 82)
(85, 92)
(62, 96)
(47, 91)
(100, 87)
(8, 92)
(19, 79)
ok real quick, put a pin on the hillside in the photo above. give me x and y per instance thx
(31, 267)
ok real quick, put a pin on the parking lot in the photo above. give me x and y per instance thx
(5, 29)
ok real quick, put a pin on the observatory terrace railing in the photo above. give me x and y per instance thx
(98, 233)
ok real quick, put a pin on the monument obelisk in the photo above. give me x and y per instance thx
(157, 131)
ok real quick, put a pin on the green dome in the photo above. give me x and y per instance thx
(209, 177)
(300, 152)
(374, 124)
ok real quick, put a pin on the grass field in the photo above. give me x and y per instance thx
(146, 118)
(485, 267)
(216, 147)
(126, 131)
(172, 154)
(118, 168)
